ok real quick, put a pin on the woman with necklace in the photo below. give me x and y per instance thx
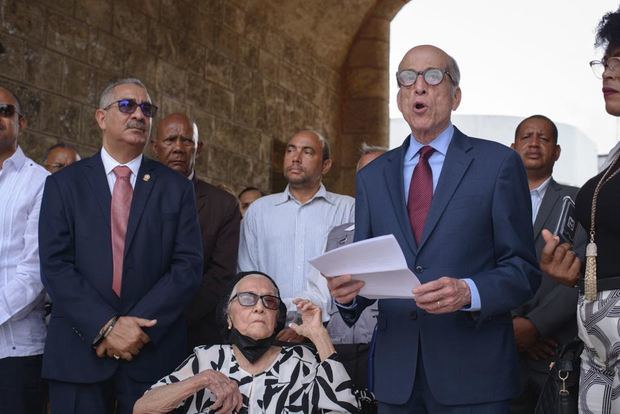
(597, 207)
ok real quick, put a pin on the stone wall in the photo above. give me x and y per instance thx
(250, 72)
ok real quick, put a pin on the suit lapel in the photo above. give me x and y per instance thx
(201, 195)
(145, 181)
(454, 167)
(546, 206)
(393, 174)
(99, 183)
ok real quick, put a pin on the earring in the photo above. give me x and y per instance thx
(229, 325)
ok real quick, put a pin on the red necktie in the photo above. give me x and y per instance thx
(420, 192)
(121, 203)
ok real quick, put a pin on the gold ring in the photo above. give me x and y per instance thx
(116, 356)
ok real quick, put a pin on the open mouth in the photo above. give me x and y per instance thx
(419, 107)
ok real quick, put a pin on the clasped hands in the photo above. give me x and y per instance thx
(126, 338)
(443, 295)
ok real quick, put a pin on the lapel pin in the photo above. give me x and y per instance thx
(146, 177)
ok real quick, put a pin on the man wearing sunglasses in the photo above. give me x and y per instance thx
(120, 257)
(176, 145)
(22, 327)
(460, 210)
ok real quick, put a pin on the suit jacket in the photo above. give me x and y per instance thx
(219, 218)
(553, 308)
(479, 226)
(161, 268)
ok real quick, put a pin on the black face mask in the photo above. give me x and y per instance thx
(252, 349)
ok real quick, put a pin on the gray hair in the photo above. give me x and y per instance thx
(455, 72)
(369, 149)
(107, 96)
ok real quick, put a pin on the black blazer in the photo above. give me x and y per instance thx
(219, 218)
(161, 268)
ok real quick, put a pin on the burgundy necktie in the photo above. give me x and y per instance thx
(121, 203)
(420, 192)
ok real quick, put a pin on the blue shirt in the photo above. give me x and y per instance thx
(279, 235)
(440, 144)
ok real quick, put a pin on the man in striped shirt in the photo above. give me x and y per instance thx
(280, 232)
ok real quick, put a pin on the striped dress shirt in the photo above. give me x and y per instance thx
(279, 235)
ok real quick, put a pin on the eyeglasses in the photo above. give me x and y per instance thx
(599, 66)
(8, 110)
(249, 299)
(129, 106)
(432, 76)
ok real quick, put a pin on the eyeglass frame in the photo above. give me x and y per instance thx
(256, 297)
(13, 110)
(605, 64)
(140, 105)
(423, 73)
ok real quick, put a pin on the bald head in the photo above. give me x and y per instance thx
(427, 107)
(177, 143)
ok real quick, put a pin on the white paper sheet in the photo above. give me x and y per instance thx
(379, 262)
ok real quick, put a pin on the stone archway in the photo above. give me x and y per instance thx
(365, 96)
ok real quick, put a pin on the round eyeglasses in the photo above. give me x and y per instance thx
(129, 106)
(249, 299)
(611, 63)
(432, 76)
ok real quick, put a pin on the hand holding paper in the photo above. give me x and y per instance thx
(378, 262)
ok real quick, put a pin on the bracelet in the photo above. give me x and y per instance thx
(105, 331)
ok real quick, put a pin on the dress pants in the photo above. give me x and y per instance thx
(354, 357)
(22, 391)
(422, 401)
(117, 395)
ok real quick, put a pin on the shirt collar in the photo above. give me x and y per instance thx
(17, 159)
(542, 188)
(286, 196)
(439, 144)
(109, 163)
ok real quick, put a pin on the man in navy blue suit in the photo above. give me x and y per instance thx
(120, 256)
(460, 210)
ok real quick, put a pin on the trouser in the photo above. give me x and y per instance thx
(354, 357)
(422, 401)
(116, 395)
(598, 322)
(22, 391)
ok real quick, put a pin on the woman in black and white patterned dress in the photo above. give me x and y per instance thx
(253, 375)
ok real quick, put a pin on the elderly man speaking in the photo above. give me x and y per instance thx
(460, 210)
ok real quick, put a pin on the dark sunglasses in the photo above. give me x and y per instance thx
(250, 299)
(8, 110)
(129, 106)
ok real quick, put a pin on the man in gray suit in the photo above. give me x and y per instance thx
(548, 320)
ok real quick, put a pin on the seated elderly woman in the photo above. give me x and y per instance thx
(253, 375)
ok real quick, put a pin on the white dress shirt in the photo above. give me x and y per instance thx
(22, 325)
(109, 163)
(440, 144)
(279, 235)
